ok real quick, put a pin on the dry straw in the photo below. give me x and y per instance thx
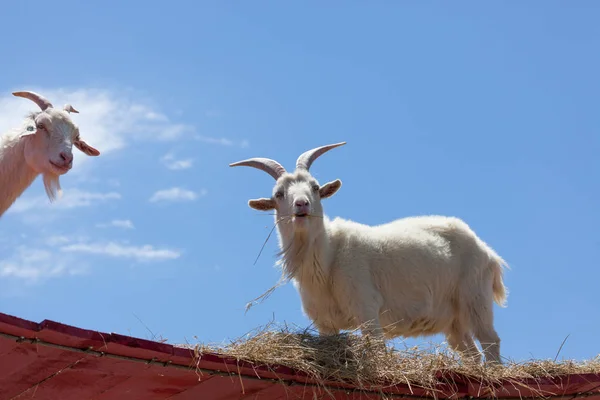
(352, 358)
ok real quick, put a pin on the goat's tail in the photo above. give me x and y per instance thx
(497, 264)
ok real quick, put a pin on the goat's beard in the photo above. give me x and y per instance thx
(300, 249)
(292, 253)
(298, 246)
(52, 186)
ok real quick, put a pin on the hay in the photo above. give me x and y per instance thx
(352, 358)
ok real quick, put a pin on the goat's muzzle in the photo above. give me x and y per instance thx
(301, 207)
(62, 167)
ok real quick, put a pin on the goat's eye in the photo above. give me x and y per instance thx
(316, 188)
(40, 126)
(279, 195)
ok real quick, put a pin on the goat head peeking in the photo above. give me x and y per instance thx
(296, 195)
(49, 136)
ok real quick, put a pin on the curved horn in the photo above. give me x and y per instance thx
(36, 98)
(307, 158)
(271, 167)
(69, 108)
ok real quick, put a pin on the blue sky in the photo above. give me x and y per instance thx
(488, 112)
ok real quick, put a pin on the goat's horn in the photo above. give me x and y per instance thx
(69, 108)
(271, 167)
(37, 98)
(307, 158)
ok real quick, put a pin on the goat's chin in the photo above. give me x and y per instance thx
(301, 222)
(52, 185)
(57, 169)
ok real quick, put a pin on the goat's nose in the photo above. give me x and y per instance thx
(67, 158)
(301, 203)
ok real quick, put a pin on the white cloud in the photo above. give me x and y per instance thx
(111, 249)
(35, 259)
(176, 194)
(153, 116)
(57, 240)
(32, 264)
(71, 198)
(117, 223)
(180, 164)
(173, 164)
(222, 141)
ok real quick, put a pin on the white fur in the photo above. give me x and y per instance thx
(410, 277)
(45, 138)
(15, 174)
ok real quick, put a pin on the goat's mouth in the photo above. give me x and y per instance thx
(61, 169)
(300, 215)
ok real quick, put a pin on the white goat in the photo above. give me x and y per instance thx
(42, 145)
(410, 277)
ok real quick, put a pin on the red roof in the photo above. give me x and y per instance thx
(50, 360)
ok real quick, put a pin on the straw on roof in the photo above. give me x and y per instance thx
(352, 358)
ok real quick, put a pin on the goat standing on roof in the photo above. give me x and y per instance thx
(410, 277)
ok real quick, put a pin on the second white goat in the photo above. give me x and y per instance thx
(41, 145)
(410, 277)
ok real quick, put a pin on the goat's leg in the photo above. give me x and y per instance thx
(325, 330)
(370, 327)
(479, 312)
(362, 301)
(464, 344)
(490, 343)
(483, 328)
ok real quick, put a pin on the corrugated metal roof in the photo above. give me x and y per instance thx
(50, 360)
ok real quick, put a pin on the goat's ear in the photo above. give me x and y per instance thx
(262, 204)
(86, 148)
(329, 189)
